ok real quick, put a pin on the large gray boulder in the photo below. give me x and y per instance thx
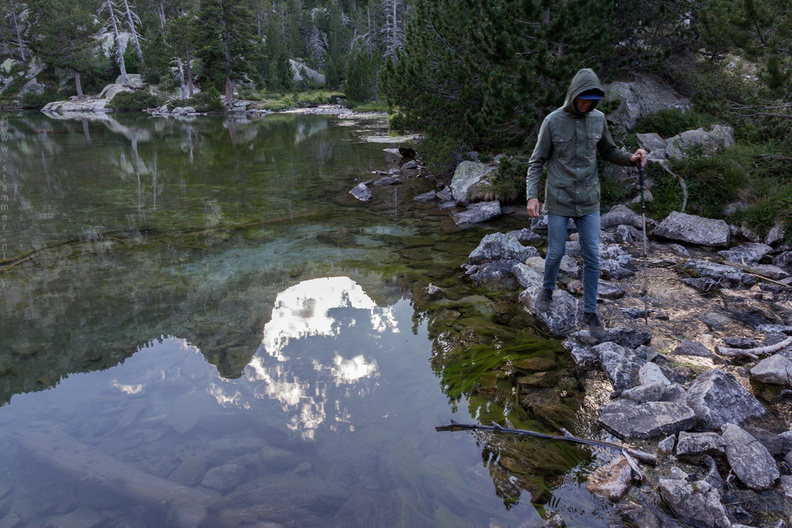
(709, 141)
(717, 398)
(749, 459)
(466, 175)
(644, 96)
(561, 319)
(694, 230)
(501, 246)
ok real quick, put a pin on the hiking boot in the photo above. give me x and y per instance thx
(596, 329)
(542, 303)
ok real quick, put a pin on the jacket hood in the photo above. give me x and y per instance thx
(583, 80)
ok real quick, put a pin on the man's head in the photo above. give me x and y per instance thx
(588, 100)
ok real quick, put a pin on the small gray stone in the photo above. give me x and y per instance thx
(362, 192)
(478, 212)
(694, 444)
(666, 445)
(693, 348)
(655, 392)
(629, 419)
(652, 373)
(621, 364)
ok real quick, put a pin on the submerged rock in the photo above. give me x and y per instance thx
(478, 212)
(362, 192)
(612, 480)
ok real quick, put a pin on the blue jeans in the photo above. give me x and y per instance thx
(589, 229)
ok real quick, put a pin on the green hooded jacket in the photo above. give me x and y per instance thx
(567, 146)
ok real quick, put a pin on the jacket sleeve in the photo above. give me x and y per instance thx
(541, 153)
(609, 151)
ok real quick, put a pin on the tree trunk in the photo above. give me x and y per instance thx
(161, 13)
(229, 90)
(117, 39)
(190, 76)
(78, 85)
(20, 42)
(131, 20)
(182, 85)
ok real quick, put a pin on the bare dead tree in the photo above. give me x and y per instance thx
(393, 32)
(110, 9)
(132, 21)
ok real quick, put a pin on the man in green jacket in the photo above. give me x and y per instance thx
(567, 146)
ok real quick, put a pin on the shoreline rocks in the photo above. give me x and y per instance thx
(676, 383)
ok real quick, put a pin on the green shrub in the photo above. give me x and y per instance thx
(134, 101)
(440, 153)
(34, 101)
(508, 183)
(204, 101)
(671, 122)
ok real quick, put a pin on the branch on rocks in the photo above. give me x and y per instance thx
(753, 353)
(753, 271)
(647, 458)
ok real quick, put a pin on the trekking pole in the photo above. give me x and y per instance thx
(645, 291)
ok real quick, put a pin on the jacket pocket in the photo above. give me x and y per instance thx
(564, 148)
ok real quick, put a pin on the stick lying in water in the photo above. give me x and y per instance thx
(640, 455)
(187, 506)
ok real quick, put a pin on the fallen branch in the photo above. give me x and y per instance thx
(640, 455)
(753, 271)
(753, 353)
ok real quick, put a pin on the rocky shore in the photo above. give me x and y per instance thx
(698, 366)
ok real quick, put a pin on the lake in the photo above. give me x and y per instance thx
(201, 326)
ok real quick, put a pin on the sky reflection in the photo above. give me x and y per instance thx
(299, 364)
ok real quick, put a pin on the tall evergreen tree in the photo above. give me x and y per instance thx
(483, 73)
(759, 29)
(179, 36)
(225, 41)
(66, 29)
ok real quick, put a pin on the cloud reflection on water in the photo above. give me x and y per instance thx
(306, 365)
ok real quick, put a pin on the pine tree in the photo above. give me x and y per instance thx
(179, 32)
(225, 41)
(759, 29)
(484, 73)
(66, 29)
